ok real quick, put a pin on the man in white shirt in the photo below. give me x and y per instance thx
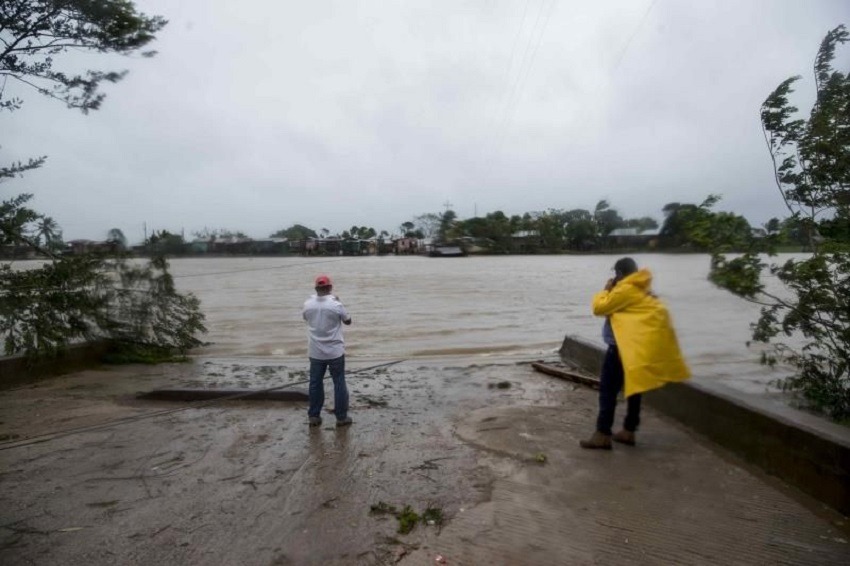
(325, 316)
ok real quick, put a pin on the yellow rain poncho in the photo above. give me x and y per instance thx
(645, 337)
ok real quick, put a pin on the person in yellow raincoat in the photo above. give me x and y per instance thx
(643, 353)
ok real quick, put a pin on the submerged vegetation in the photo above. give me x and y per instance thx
(408, 518)
(72, 298)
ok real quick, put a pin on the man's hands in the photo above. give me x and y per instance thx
(610, 284)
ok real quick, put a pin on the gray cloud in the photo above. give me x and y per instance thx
(256, 115)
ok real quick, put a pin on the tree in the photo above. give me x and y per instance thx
(295, 232)
(607, 219)
(811, 160)
(772, 226)
(579, 230)
(428, 224)
(703, 229)
(36, 32)
(220, 234)
(447, 225)
(116, 236)
(72, 298)
(677, 216)
(643, 223)
(165, 243)
(551, 228)
(47, 230)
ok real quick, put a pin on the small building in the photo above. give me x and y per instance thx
(79, 247)
(633, 238)
(406, 246)
(270, 246)
(526, 241)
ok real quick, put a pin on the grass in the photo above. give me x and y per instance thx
(128, 353)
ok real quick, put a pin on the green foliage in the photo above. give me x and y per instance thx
(580, 230)
(43, 310)
(76, 298)
(428, 224)
(407, 520)
(359, 233)
(36, 32)
(812, 164)
(642, 224)
(116, 236)
(495, 227)
(433, 516)
(295, 232)
(165, 243)
(607, 219)
(220, 234)
(407, 517)
(700, 228)
(382, 508)
(123, 353)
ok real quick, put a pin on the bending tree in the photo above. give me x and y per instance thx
(73, 298)
(811, 159)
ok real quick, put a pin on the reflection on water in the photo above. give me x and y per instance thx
(476, 306)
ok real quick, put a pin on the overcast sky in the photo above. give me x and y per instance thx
(256, 115)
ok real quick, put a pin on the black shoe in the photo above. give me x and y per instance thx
(344, 422)
(315, 421)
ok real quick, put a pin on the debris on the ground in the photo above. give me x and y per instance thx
(407, 517)
(433, 516)
(407, 520)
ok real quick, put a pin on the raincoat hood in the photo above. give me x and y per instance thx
(645, 338)
(642, 279)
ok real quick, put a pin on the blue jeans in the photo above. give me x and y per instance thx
(317, 387)
(610, 384)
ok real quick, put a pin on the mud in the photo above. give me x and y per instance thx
(250, 483)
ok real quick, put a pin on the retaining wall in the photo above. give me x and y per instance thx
(805, 451)
(18, 370)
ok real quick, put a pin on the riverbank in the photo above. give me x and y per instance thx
(494, 446)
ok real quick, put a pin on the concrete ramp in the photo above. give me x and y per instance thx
(223, 394)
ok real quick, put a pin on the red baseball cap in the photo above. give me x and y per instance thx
(323, 281)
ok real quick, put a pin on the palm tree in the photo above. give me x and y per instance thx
(48, 230)
(116, 236)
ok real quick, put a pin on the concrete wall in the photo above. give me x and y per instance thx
(18, 370)
(807, 452)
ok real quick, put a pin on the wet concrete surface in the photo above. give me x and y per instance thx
(494, 446)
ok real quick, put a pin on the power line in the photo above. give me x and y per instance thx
(524, 77)
(535, 39)
(632, 36)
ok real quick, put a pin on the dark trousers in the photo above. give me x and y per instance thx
(610, 384)
(317, 387)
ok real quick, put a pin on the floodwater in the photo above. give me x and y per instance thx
(475, 307)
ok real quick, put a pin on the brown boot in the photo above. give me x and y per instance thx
(597, 441)
(624, 437)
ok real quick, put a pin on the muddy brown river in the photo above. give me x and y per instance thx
(479, 307)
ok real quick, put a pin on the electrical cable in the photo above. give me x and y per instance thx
(48, 436)
(61, 287)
